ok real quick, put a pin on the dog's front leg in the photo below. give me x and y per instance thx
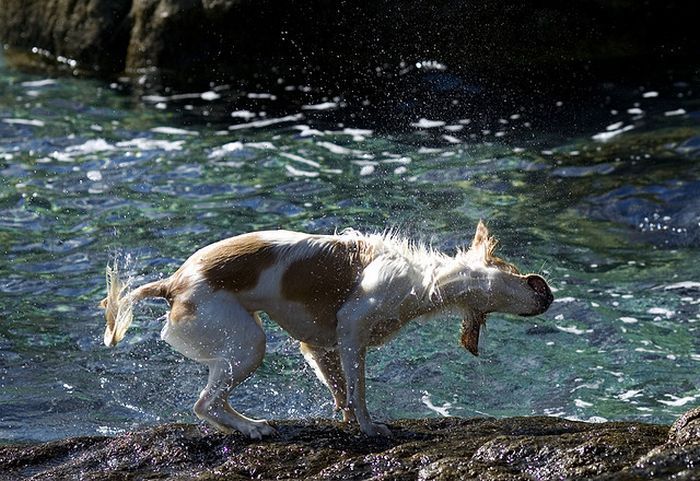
(352, 358)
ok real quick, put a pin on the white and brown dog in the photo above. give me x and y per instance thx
(336, 294)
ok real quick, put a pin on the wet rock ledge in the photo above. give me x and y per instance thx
(437, 449)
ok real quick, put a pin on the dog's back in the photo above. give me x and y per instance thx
(299, 280)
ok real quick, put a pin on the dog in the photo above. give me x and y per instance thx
(337, 294)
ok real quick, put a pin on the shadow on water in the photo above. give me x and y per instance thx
(598, 195)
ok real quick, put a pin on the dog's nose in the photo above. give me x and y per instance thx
(540, 286)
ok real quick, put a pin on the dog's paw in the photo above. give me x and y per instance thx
(376, 429)
(258, 429)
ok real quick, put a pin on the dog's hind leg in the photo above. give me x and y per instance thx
(213, 406)
(231, 342)
(326, 364)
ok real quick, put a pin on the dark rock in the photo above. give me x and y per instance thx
(352, 42)
(437, 449)
(93, 33)
(686, 430)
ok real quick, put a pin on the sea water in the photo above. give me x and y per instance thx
(609, 213)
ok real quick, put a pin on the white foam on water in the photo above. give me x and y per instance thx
(225, 149)
(262, 95)
(424, 123)
(39, 83)
(30, 122)
(358, 135)
(573, 330)
(580, 403)
(441, 410)
(243, 114)
(429, 150)
(306, 131)
(60, 156)
(173, 131)
(615, 126)
(321, 106)
(91, 146)
(293, 171)
(154, 98)
(363, 132)
(94, 175)
(451, 139)
(673, 113)
(629, 320)
(682, 285)
(336, 149)
(300, 159)
(367, 170)
(677, 401)
(209, 95)
(266, 122)
(397, 160)
(261, 145)
(661, 311)
(627, 395)
(650, 94)
(605, 136)
(185, 96)
(589, 385)
(152, 144)
(648, 351)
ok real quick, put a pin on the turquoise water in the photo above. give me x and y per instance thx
(610, 214)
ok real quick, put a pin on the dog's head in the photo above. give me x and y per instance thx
(494, 285)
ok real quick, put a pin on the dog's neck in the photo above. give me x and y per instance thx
(451, 278)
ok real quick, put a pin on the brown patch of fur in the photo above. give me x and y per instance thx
(480, 236)
(323, 281)
(236, 264)
(502, 265)
(182, 311)
(490, 243)
(152, 289)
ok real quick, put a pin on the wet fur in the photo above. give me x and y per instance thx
(336, 294)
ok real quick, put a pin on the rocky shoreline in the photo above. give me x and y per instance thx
(522, 448)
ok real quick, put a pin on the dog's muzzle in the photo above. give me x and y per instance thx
(544, 293)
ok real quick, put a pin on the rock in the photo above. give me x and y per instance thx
(540, 448)
(91, 33)
(352, 43)
(678, 458)
(686, 430)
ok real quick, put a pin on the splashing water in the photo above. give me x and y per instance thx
(87, 173)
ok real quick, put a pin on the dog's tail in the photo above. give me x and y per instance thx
(118, 304)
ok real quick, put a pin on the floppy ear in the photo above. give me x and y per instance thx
(480, 244)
